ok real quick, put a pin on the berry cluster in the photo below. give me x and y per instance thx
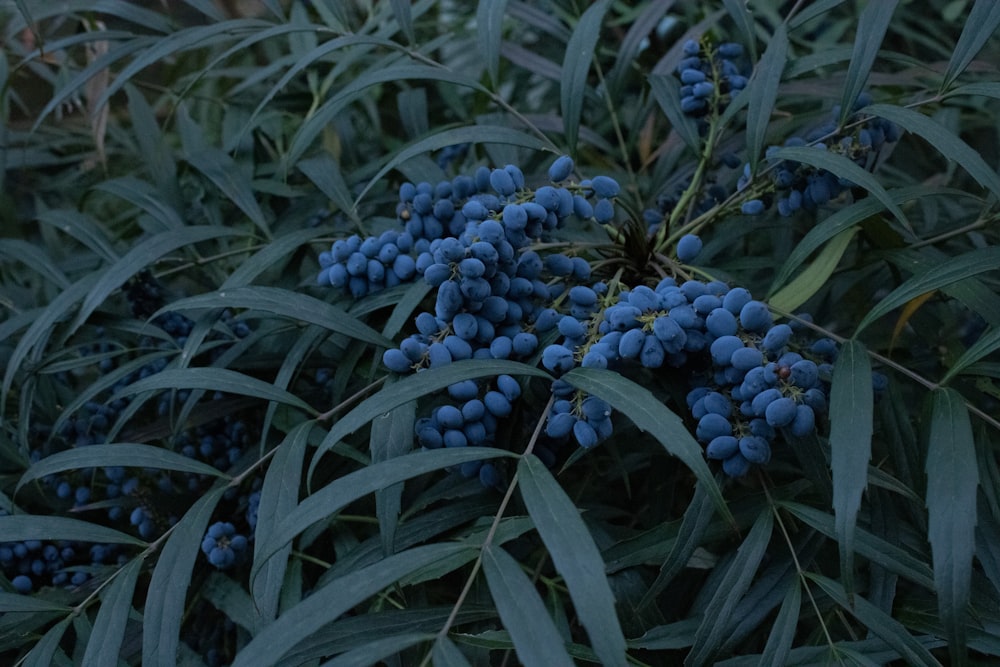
(710, 77)
(223, 546)
(496, 297)
(798, 186)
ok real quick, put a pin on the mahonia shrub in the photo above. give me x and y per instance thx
(500, 333)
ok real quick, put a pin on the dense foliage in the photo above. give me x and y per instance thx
(354, 333)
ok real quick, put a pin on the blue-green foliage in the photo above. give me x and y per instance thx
(366, 332)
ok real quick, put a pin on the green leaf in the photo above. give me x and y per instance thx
(43, 653)
(376, 651)
(878, 622)
(391, 436)
(83, 228)
(779, 641)
(446, 654)
(217, 166)
(285, 303)
(632, 44)
(413, 387)
(16, 603)
(979, 27)
(731, 588)
(575, 557)
(947, 272)
(650, 414)
(946, 143)
(325, 174)
(215, 379)
(16, 250)
(168, 586)
(475, 134)
(815, 276)
(156, 152)
(842, 167)
(144, 196)
(109, 627)
(265, 260)
(988, 343)
(763, 91)
(404, 17)
(536, 639)
(952, 480)
(872, 24)
(489, 34)
(697, 518)
(576, 66)
(21, 527)
(314, 125)
(279, 495)
(843, 219)
(129, 454)
(328, 500)
(666, 91)
(887, 555)
(334, 599)
(37, 335)
(851, 413)
(142, 256)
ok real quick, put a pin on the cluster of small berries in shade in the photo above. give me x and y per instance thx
(710, 78)
(793, 186)
(145, 500)
(497, 298)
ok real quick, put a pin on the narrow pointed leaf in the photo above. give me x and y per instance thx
(109, 627)
(215, 379)
(25, 604)
(118, 454)
(987, 344)
(489, 34)
(537, 641)
(851, 413)
(735, 583)
(16, 250)
(576, 66)
(446, 654)
(763, 91)
(404, 17)
(667, 93)
(872, 24)
(946, 273)
(878, 622)
(979, 27)
(83, 228)
(167, 591)
(373, 653)
(650, 415)
(37, 335)
(779, 641)
(42, 654)
(325, 605)
(21, 527)
(942, 139)
(952, 480)
(814, 276)
(278, 497)
(286, 303)
(740, 12)
(391, 436)
(889, 556)
(325, 174)
(575, 557)
(328, 500)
